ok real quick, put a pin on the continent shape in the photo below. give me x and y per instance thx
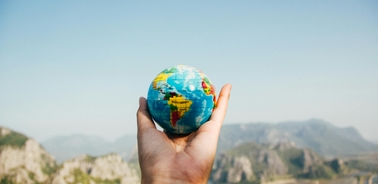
(179, 106)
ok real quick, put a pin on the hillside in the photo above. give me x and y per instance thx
(318, 135)
(24, 161)
(109, 169)
(254, 163)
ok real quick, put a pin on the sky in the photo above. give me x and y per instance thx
(69, 67)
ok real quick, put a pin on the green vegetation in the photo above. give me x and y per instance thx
(5, 180)
(13, 139)
(81, 177)
(291, 159)
(363, 165)
(31, 175)
(321, 171)
(84, 178)
(49, 169)
(90, 159)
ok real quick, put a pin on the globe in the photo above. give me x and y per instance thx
(181, 99)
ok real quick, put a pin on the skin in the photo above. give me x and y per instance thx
(170, 158)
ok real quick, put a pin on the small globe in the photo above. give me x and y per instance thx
(181, 99)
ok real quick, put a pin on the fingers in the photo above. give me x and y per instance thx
(213, 126)
(205, 142)
(144, 119)
(222, 103)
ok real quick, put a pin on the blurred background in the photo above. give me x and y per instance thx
(75, 70)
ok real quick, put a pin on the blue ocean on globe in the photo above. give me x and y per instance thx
(181, 99)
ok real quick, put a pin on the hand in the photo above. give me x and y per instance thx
(171, 158)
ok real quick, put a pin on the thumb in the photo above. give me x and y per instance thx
(144, 120)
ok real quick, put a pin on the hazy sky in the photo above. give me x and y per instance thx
(80, 66)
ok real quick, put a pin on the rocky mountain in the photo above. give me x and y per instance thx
(318, 135)
(254, 163)
(24, 161)
(68, 147)
(105, 169)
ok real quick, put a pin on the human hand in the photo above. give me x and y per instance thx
(172, 158)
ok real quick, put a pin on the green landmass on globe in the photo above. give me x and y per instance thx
(181, 99)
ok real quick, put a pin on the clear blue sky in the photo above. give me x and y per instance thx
(80, 66)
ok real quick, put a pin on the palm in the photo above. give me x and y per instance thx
(186, 158)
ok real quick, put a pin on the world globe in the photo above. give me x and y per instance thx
(181, 99)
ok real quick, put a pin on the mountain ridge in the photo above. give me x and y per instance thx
(65, 147)
(319, 135)
(251, 162)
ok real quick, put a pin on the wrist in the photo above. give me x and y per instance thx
(156, 180)
(168, 180)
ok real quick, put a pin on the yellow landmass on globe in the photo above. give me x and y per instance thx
(182, 105)
(161, 77)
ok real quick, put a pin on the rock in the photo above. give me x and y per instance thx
(4, 132)
(338, 166)
(272, 162)
(110, 168)
(308, 159)
(24, 161)
(233, 169)
(252, 162)
(28, 164)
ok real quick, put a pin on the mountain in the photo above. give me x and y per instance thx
(375, 141)
(320, 136)
(109, 169)
(254, 163)
(67, 147)
(327, 139)
(23, 160)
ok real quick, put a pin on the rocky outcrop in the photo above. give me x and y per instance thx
(252, 162)
(272, 163)
(109, 168)
(230, 169)
(338, 165)
(307, 160)
(24, 162)
(4, 132)
(247, 163)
